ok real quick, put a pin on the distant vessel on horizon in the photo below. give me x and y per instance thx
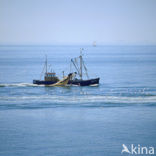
(94, 44)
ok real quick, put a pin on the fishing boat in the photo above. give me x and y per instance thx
(80, 68)
(50, 78)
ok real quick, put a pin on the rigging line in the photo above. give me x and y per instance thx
(75, 66)
(85, 69)
(70, 67)
(46, 63)
(49, 67)
(42, 72)
(76, 63)
(80, 65)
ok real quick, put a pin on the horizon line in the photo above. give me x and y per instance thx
(22, 45)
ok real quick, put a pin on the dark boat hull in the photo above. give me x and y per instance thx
(42, 82)
(85, 82)
(72, 82)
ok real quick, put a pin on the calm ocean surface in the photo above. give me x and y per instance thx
(74, 121)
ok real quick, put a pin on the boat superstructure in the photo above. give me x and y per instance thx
(49, 77)
(81, 70)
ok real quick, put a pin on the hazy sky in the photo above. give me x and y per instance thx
(77, 21)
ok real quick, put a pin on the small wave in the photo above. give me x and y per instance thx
(53, 101)
(81, 99)
(20, 85)
(32, 85)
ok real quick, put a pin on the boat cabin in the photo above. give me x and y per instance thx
(51, 77)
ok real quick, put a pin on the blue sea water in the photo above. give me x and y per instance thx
(73, 121)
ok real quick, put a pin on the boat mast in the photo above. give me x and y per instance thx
(81, 63)
(81, 66)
